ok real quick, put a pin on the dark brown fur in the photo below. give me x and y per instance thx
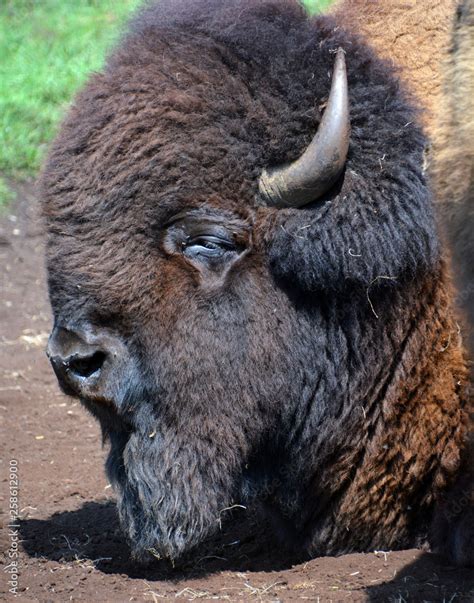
(317, 368)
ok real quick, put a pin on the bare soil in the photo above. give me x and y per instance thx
(71, 545)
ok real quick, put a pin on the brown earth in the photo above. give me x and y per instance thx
(71, 546)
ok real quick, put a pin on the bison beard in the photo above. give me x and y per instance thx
(233, 345)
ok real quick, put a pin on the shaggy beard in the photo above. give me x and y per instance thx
(170, 491)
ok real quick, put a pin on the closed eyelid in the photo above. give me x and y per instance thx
(232, 230)
(208, 229)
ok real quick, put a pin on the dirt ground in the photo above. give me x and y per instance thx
(71, 547)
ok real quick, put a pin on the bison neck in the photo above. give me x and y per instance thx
(394, 442)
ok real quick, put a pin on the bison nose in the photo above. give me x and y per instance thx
(78, 363)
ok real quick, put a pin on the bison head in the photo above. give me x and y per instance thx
(226, 289)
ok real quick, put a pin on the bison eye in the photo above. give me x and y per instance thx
(207, 246)
(212, 242)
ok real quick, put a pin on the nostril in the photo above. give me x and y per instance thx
(85, 366)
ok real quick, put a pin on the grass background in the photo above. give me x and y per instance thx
(47, 49)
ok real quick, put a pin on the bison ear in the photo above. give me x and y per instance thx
(310, 176)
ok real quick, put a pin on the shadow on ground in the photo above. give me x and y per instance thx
(427, 579)
(93, 533)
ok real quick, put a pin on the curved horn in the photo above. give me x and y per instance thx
(310, 176)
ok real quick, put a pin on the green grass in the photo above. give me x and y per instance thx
(316, 6)
(47, 49)
(6, 193)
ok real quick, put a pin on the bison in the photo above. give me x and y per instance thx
(453, 163)
(247, 284)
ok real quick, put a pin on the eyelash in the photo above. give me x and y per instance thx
(209, 246)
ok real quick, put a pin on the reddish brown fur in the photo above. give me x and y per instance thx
(434, 48)
(418, 430)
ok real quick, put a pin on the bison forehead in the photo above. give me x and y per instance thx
(190, 109)
(188, 129)
(197, 114)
